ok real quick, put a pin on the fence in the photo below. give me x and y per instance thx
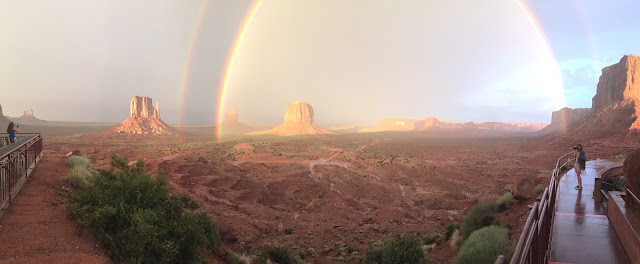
(533, 245)
(17, 161)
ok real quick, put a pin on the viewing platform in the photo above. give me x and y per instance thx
(582, 231)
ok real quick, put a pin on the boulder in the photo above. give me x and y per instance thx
(631, 171)
(525, 189)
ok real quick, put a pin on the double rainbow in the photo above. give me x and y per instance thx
(238, 42)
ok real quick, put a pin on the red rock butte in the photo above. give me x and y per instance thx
(145, 119)
(298, 120)
(231, 123)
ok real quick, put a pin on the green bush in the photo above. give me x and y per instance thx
(78, 177)
(277, 254)
(539, 188)
(617, 157)
(449, 231)
(504, 201)
(484, 246)
(137, 220)
(431, 239)
(405, 249)
(78, 161)
(480, 216)
(233, 258)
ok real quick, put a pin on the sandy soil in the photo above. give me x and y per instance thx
(329, 197)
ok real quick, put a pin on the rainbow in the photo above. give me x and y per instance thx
(237, 42)
(187, 62)
(540, 33)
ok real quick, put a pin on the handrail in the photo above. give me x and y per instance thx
(4, 138)
(533, 245)
(17, 161)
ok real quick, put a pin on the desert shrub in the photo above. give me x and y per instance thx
(484, 246)
(136, 219)
(504, 201)
(449, 231)
(539, 188)
(78, 177)
(431, 239)
(481, 215)
(234, 258)
(78, 161)
(404, 249)
(277, 254)
(617, 157)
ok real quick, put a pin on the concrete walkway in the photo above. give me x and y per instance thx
(581, 230)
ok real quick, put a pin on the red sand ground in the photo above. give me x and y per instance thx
(329, 197)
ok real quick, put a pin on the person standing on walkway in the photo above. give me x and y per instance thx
(11, 130)
(581, 160)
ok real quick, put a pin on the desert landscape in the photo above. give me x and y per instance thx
(327, 195)
(293, 132)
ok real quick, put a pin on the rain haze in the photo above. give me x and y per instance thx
(354, 61)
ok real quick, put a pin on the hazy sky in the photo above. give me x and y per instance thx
(355, 61)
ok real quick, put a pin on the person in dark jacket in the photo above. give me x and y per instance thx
(11, 130)
(581, 160)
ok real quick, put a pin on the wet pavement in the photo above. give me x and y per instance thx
(581, 230)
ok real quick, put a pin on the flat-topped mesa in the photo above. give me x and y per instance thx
(299, 112)
(144, 119)
(298, 120)
(563, 118)
(618, 82)
(28, 113)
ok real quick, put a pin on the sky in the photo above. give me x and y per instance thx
(355, 61)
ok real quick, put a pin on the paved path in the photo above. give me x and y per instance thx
(36, 229)
(582, 232)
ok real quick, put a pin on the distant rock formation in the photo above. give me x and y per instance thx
(145, 119)
(28, 113)
(565, 117)
(618, 83)
(4, 121)
(615, 107)
(431, 122)
(231, 123)
(298, 120)
(395, 124)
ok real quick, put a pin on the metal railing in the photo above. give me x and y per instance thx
(4, 138)
(533, 245)
(17, 161)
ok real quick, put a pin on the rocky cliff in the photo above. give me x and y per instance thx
(618, 82)
(144, 119)
(565, 117)
(298, 120)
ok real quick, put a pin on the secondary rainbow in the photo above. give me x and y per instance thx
(237, 43)
(189, 58)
